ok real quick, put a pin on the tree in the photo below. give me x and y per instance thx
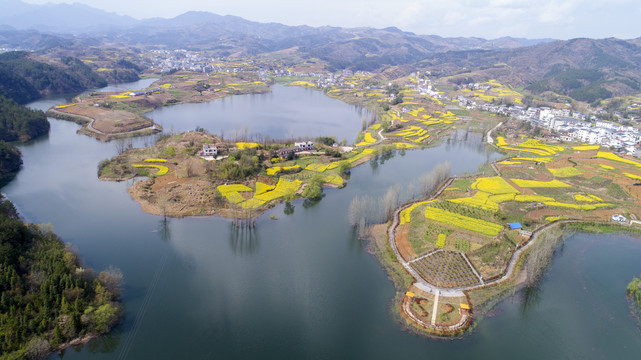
(314, 189)
(391, 200)
(344, 168)
(37, 348)
(104, 317)
(112, 279)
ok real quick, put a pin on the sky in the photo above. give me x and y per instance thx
(490, 19)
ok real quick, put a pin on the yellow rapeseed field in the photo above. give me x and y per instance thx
(246, 145)
(536, 184)
(162, 170)
(615, 157)
(493, 185)
(569, 171)
(586, 147)
(463, 222)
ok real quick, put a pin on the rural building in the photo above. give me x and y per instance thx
(304, 146)
(284, 152)
(515, 226)
(145, 92)
(618, 218)
(208, 150)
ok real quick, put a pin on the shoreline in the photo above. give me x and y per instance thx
(87, 129)
(511, 280)
(87, 121)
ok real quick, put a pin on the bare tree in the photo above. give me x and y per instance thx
(123, 145)
(112, 279)
(37, 348)
(391, 200)
(541, 252)
(365, 210)
(189, 168)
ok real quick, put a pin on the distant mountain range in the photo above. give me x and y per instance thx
(203, 29)
(585, 69)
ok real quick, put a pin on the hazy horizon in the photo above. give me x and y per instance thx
(488, 19)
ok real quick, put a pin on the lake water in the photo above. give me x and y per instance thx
(285, 112)
(301, 286)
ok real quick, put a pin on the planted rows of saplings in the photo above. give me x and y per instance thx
(442, 224)
(446, 269)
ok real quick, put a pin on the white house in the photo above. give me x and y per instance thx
(304, 146)
(618, 218)
(208, 150)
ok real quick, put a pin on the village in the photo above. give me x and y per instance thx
(568, 125)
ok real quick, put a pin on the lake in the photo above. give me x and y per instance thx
(285, 112)
(301, 286)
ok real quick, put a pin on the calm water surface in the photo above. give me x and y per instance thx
(301, 286)
(285, 112)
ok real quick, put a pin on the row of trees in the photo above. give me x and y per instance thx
(47, 297)
(367, 210)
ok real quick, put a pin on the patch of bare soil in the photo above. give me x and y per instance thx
(402, 243)
(110, 121)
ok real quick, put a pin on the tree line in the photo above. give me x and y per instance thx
(367, 210)
(17, 123)
(20, 123)
(47, 296)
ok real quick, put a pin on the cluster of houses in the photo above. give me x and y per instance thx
(145, 92)
(211, 150)
(569, 125)
(297, 148)
(180, 59)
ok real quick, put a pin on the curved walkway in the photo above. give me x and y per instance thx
(453, 292)
(458, 325)
(489, 133)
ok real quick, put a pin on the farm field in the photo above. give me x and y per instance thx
(466, 237)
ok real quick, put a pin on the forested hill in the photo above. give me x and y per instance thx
(24, 79)
(10, 162)
(47, 298)
(18, 123)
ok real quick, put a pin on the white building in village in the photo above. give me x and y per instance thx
(208, 150)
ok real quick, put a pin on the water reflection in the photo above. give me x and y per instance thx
(243, 240)
(532, 294)
(286, 112)
(308, 203)
(105, 344)
(289, 208)
(164, 229)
